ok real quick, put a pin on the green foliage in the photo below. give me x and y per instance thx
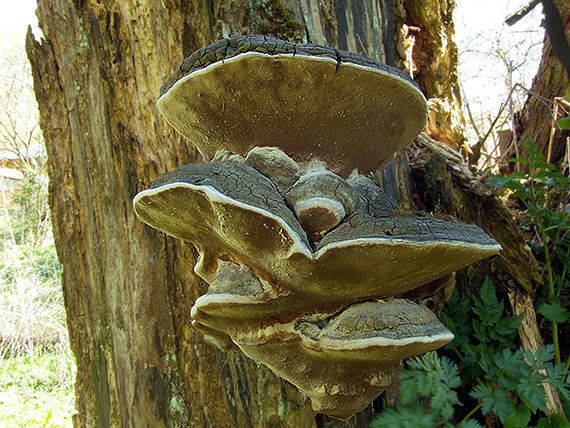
(481, 332)
(544, 191)
(36, 365)
(505, 380)
(430, 379)
(33, 394)
(26, 220)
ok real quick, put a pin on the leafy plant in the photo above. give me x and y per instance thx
(427, 396)
(506, 381)
(544, 192)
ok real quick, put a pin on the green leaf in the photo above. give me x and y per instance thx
(508, 325)
(556, 377)
(494, 399)
(543, 165)
(511, 366)
(411, 416)
(469, 423)
(532, 392)
(540, 359)
(564, 123)
(553, 421)
(487, 306)
(483, 392)
(553, 312)
(519, 418)
(523, 161)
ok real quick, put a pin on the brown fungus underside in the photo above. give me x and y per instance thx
(309, 271)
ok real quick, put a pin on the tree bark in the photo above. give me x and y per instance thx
(128, 288)
(430, 25)
(536, 119)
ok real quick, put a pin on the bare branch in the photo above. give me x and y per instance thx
(513, 19)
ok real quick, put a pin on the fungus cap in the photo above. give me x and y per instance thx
(232, 212)
(309, 100)
(350, 355)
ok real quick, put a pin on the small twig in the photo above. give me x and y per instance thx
(477, 147)
(469, 112)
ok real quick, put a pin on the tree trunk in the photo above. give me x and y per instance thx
(535, 120)
(128, 288)
(429, 34)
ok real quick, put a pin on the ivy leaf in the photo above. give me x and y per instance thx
(519, 418)
(553, 312)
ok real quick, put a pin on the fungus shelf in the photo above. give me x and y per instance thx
(311, 267)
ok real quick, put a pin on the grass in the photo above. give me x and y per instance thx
(37, 369)
(36, 391)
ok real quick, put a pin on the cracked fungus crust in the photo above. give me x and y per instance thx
(310, 100)
(308, 306)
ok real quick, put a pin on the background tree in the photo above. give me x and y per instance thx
(128, 288)
(536, 120)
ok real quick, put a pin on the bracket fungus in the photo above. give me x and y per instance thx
(311, 101)
(309, 272)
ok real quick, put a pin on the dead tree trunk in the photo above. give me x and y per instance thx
(128, 288)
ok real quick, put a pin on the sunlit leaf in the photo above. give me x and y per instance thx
(564, 123)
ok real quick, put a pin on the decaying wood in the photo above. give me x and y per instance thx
(450, 188)
(435, 55)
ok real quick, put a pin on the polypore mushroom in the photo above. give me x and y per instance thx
(343, 361)
(311, 101)
(228, 208)
(232, 212)
(306, 306)
(265, 276)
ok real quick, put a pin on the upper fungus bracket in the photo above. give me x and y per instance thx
(295, 97)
